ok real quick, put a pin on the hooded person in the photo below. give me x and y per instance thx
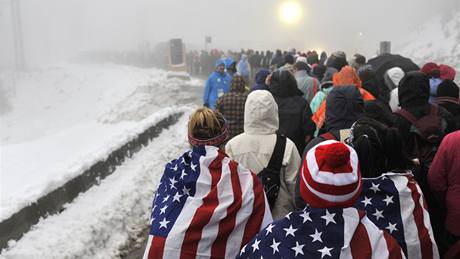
(203, 190)
(345, 106)
(231, 106)
(254, 148)
(392, 78)
(230, 66)
(329, 227)
(293, 110)
(318, 72)
(244, 68)
(431, 69)
(261, 77)
(307, 84)
(217, 84)
(347, 76)
(413, 95)
(325, 89)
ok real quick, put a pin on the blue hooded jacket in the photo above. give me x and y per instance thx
(243, 66)
(217, 85)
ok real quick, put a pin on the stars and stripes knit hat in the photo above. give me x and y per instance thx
(330, 176)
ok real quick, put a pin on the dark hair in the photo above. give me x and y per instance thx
(299, 65)
(289, 59)
(380, 148)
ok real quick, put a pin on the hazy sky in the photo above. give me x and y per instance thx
(56, 29)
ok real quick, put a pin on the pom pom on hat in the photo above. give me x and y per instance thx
(330, 176)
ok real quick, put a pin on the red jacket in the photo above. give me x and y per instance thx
(444, 179)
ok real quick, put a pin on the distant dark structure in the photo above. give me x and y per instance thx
(385, 47)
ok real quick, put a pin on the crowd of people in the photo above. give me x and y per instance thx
(320, 157)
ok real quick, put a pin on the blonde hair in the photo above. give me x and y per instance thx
(205, 123)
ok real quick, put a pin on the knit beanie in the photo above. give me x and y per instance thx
(448, 89)
(447, 72)
(330, 176)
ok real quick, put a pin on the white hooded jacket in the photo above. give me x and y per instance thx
(255, 146)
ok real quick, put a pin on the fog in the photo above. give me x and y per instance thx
(55, 30)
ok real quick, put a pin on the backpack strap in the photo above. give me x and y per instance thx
(276, 161)
(328, 136)
(434, 110)
(315, 87)
(408, 116)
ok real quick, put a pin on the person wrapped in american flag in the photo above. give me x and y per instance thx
(328, 227)
(391, 197)
(207, 205)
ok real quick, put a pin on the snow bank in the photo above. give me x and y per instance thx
(100, 221)
(437, 40)
(62, 119)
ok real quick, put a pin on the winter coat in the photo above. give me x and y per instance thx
(444, 180)
(379, 111)
(347, 76)
(294, 111)
(255, 146)
(216, 86)
(231, 105)
(307, 84)
(319, 98)
(311, 233)
(261, 76)
(413, 95)
(243, 66)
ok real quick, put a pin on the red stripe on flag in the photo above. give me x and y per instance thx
(227, 224)
(360, 244)
(157, 247)
(258, 211)
(394, 250)
(423, 235)
(204, 213)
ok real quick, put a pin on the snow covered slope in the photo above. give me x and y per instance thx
(123, 202)
(437, 40)
(61, 119)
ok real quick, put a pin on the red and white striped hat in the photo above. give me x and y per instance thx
(330, 176)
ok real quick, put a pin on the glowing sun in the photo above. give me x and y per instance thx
(290, 12)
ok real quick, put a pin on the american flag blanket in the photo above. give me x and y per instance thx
(206, 206)
(395, 203)
(323, 233)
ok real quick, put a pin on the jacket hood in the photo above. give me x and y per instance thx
(260, 113)
(393, 77)
(283, 84)
(261, 76)
(346, 76)
(344, 106)
(219, 62)
(228, 62)
(414, 90)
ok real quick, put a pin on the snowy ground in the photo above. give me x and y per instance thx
(59, 120)
(124, 198)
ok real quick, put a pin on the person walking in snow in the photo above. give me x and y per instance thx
(206, 205)
(244, 68)
(217, 85)
(329, 227)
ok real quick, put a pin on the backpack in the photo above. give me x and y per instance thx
(270, 175)
(426, 135)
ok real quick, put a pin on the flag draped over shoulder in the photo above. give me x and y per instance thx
(206, 206)
(323, 233)
(395, 203)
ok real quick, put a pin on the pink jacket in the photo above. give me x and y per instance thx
(444, 179)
